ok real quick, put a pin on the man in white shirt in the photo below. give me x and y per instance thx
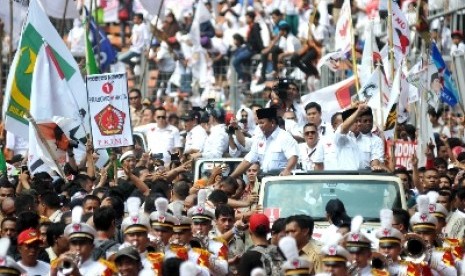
(288, 42)
(216, 143)
(308, 148)
(29, 243)
(161, 137)
(313, 111)
(15, 145)
(457, 43)
(139, 40)
(357, 147)
(274, 150)
(196, 134)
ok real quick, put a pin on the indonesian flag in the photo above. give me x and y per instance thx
(334, 98)
(344, 32)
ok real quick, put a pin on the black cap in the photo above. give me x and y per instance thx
(266, 113)
(130, 252)
(347, 113)
(190, 115)
(16, 158)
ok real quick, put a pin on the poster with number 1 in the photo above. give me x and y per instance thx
(109, 110)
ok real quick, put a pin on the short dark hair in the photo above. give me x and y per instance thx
(103, 217)
(303, 221)
(6, 184)
(24, 202)
(27, 220)
(171, 266)
(239, 38)
(310, 125)
(136, 90)
(276, 12)
(140, 15)
(218, 197)
(251, 14)
(90, 197)
(334, 117)
(401, 216)
(51, 200)
(7, 219)
(278, 226)
(224, 210)
(230, 182)
(313, 105)
(54, 230)
(181, 189)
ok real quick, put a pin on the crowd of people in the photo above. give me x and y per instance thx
(144, 213)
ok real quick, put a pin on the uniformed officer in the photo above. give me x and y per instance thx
(390, 244)
(294, 264)
(162, 222)
(359, 247)
(275, 149)
(202, 217)
(78, 260)
(136, 227)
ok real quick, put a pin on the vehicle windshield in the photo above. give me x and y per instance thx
(360, 197)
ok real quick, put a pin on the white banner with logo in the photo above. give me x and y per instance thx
(110, 118)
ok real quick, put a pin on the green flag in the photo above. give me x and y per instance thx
(91, 64)
(3, 168)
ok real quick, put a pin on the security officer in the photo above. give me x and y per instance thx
(212, 251)
(275, 149)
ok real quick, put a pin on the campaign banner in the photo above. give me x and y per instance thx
(109, 110)
(403, 151)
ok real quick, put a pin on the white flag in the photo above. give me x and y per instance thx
(344, 32)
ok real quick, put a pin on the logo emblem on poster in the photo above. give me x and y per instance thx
(110, 120)
(107, 88)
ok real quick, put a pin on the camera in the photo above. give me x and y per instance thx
(157, 156)
(281, 88)
(243, 121)
(210, 105)
(231, 130)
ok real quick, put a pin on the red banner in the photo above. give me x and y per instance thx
(403, 151)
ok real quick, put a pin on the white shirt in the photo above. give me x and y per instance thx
(16, 143)
(273, 151)
(371, 148)
(326, 152)
(347, 153)
(195, 138)
(161, 140)
(306, 156)
(165, 59)
(41, 268)
(216, 143)
(455, 48)
(140, 38)
(290, 43)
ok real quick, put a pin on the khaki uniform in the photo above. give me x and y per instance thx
(312, 250)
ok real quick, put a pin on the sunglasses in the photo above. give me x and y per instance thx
(134, 98)
(161, 117)
(306, 133)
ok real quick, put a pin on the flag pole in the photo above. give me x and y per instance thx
(33, 122)
(390, 40)
(354, 57)
(97, 33)
(10, 44)
(152, 34)
(62, 29)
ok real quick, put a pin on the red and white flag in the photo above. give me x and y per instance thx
(334, 98)
(400, 29)
(344, 32)
(371, 56)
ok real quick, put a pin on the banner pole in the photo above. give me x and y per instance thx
(354, 56)
(62, 28)
(390, 41)
(33, 122)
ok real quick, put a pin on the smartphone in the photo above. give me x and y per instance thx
(24, 169)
